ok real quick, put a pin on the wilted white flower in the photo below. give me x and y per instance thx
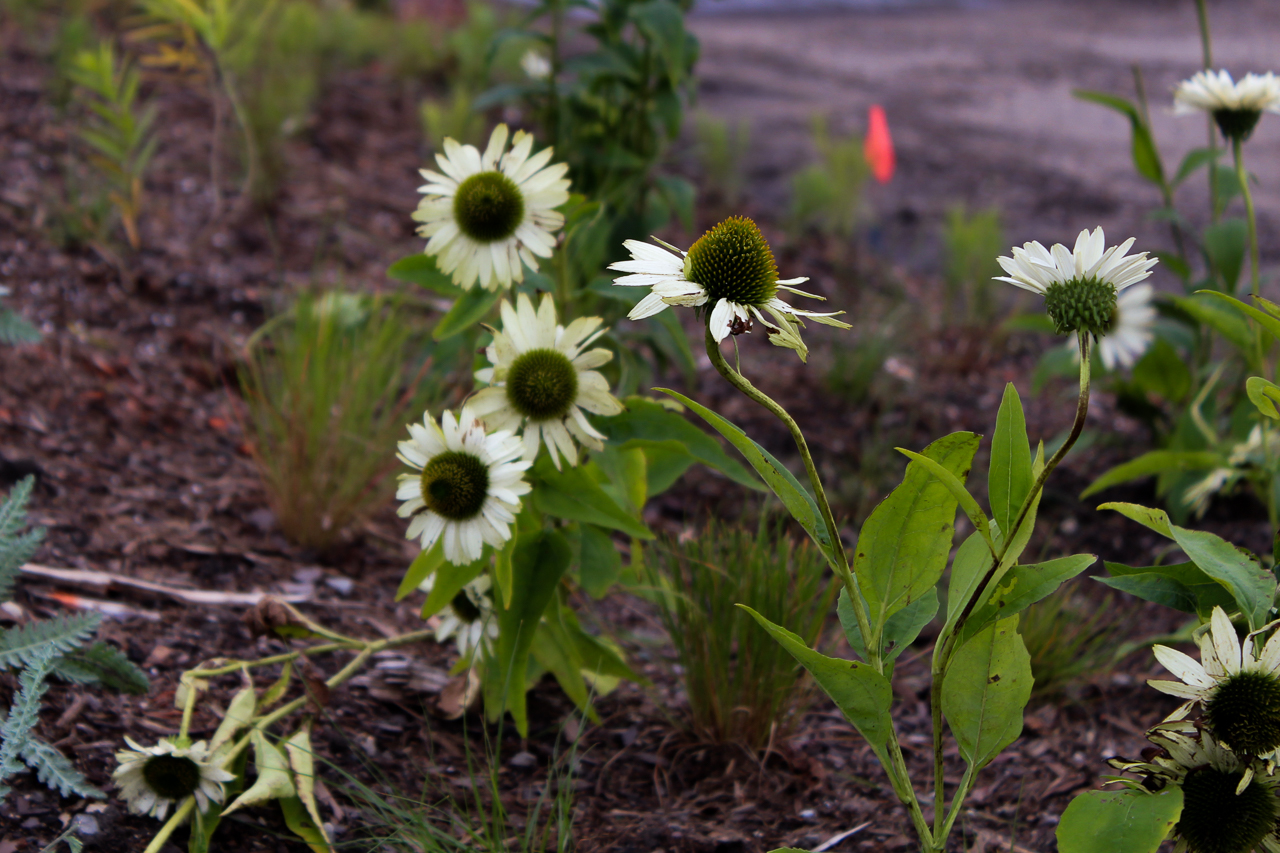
(151, 779)
(1236, 107)
(729, 271)
(490, 213)
(467, 486)
(542, 379)
(469, 618)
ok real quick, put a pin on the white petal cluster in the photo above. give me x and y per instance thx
(664, 271)
(143, 799)
(470, 635)
(542, 188)
(525, 330)
(1035, 268)
(1211, 91)
(499, 452)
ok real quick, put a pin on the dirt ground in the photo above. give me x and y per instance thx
(125, 414)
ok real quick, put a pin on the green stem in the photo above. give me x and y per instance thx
(179, 817)
(944, 646)
(1206, 50)
(896, 768)
(236, 666)
(187, 708)
(1237, 149)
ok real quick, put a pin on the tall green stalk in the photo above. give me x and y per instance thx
(1206, 49)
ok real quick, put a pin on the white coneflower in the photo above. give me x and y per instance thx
(490, 213)
(542, 379)
(151, 779)
(469, 618)
(467, 486)
(730, 272)
(1229, 802)
(535, 65)
(1130, 332)
(1236, 107)
(1240, 693)
(1079, 286)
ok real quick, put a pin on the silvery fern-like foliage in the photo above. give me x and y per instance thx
(13, 328)
(60, 646)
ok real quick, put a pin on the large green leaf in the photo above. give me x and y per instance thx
(903, 546)
(1222, 318)
(421, 269)
(900, 631)
(1195, 159)
(1264, 318)
(1264, 394)
(985, 690)
(449, 581)
(955, 485)
(421, 568)
(1155, 462)
(1128, 820)
(1224, 244)
(1146, 159)
(539, 561)
(1009, 478)
(1253, 587)
(599, 562)
(1163, 372)
(973, 559)
(1023, 586)
(468, 310)
(1182, 586)
(794, 497)
(645, 421)
(572, 494)
(862, 694)
(1152, 519)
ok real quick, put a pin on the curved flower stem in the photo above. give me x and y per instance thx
(1251, 217)
(236, 666)
(944, 646)
(896, 767)
(1206, 49)
(179, 817)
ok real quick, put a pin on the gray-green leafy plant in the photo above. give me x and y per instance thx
(971, 241)
(741, 686)
(14, 328)
(721, 148)
(119, 135)
(827, 195)
(62, 646)
(328, 386)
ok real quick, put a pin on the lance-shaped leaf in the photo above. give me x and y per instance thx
(303, 762)
(955, 485)
(1182, 586)
(450, 578)
(238, 716)
(572, 494)
(900, 631)
(862, 694)
(421, 568)
(1253, 588)
(1021, 587)
(903, 547)
(274, 780)
(645, 424)
(1152, 519)
(985, 690)
(1009, 479)
(469, 308)
(794, 497)
(537, 564)
(1128, 819)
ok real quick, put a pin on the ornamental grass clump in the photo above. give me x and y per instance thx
(327, 386)
(741, 686)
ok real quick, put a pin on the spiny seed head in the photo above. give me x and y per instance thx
(1086, 305)
(1215, 819)
(1244, 712)
(733, 261)
(1237, 124)
(173, 777)
(464, 607)
(542, 384)
(455, 484)
(488, 207)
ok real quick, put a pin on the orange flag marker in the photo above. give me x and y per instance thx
(878, 147)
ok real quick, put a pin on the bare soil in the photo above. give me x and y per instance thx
(125, 411)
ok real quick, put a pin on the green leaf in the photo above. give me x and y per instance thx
(1267, 320)
(600, 563)
(1150, 586)
(1224, 245)
(646, 422)
(57, 773)
(421, 269)
(1009, 479)
(681, 195)
(1175, 582)
(103, 664)
(903, 546)
(302, 824)
(1154, 462)
(553, 649)
(468, 310)
(954, 485)
(274, 781)
(971, 562)
(676, 345)
(1223, 319)
(1253, 588)
(900, 631)
(1153, 519)
(1163, 372)
(862, 694)
(502, 570)
(24, 713)
(1129, 820)
(421, 568)
(794, 497)
(450, 578)
(572, 494)
(238, 717)
(20, 646)
(1197, 158)
(1264, 394)
(14, 329)
(1023, 586)
(1145, 157)
(539, 561)
(985, 690)
(302, 761)
(663, 25)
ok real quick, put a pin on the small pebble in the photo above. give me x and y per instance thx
(523, 760)
(85, 826)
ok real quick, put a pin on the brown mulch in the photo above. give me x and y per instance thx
(125, 413)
